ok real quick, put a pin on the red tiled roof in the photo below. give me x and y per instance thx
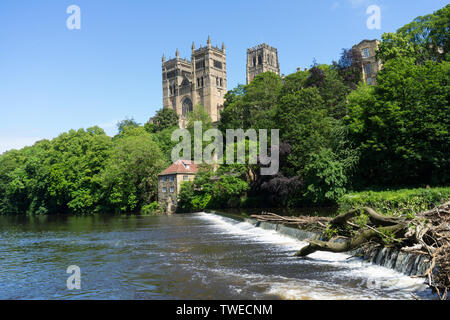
(181, 166)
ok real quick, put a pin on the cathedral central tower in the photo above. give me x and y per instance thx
(202, 80)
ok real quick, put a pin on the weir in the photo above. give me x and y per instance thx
(410, 264)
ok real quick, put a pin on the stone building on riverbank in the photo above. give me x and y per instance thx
(169, 183)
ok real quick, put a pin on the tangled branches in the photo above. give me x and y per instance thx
(428, 233)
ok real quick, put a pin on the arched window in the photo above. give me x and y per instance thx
(259, 59)
(186, 106)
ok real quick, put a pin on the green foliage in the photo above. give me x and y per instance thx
(402, 125)
(199, 114)
(252, 106)
(82, 172)
(130, 177)
(227, 191)
(165, 143)
(200, 201)
(387, 236)
(150, 209)
(330, 233)
(185, 196)
(361, 220)
(325, 177)
(396, 202)
(426, 38)
(127, 123)
(211, 191)
(165, 118)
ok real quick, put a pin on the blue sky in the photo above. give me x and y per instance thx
(53, 79)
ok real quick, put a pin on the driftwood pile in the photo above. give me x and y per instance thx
(303, 222)
(427, 233)
(436, 242)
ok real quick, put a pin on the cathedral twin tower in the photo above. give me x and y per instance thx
(203, 80)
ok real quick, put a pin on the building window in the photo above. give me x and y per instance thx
(185, 178)
(172, 189)
(217, 64)
(368, 68)
(221, 82)
(200, 64)
(259, 59)
(366, 53)
(369, 81)
(164, 189)
(171, 178)
(186, 106)
(202, 81)
(163, 178)
(171, 74)
(254, 61)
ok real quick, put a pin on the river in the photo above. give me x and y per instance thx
(191, 256)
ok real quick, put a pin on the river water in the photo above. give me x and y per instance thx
(192, 256)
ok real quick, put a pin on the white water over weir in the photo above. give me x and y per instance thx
(385, 270)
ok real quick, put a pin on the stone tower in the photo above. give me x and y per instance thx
(260, 59)
(203, 80)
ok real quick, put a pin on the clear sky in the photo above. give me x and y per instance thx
(53, 79)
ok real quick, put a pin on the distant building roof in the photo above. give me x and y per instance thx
(181, 166)
(366, 40)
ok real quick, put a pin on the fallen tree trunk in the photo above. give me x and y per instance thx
(352, 243)
(429, 231)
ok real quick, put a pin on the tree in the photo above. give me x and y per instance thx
(121, 125)
(252, 106)
(425, 38)
(431, 33)
(402, 125)
(130, 178)
(165, 118)
(325, 177)
(349, 67)
(304, 125)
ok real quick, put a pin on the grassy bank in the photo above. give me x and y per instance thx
(396, 202)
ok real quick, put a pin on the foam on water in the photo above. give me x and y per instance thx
(249, 232)
(374, 282)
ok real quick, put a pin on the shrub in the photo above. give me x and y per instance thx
(396, 202)
(150, 209)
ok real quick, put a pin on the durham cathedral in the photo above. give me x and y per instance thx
(203, 79)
